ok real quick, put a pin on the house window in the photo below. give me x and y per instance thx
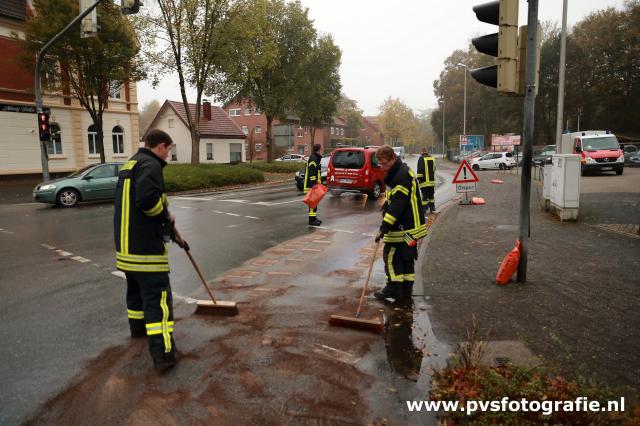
(210, 151)
(92, 138)
(257, 111)
(115, 89)
(117, 135)
(234, 112)
(301, 149)
(174, 153)
(257, 130)
(332, 130)
(245, 130)
(171, 123)
(341, 132)
(368, 138)
(247, 111)
(235, 152)
(258, 147)
(54, 147)
(300, 131)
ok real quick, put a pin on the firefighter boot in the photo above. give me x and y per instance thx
(163, 362)
(391, 290)
(313, 221)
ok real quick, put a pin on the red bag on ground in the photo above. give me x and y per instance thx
(477, 200)
(509, 265)
(315, 194)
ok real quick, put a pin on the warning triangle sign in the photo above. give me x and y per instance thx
(465, 174)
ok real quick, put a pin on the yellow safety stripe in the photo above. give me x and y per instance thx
(424, 203)
(414, 204)
(312, 213)
(135, 314)
(165, 200)
(129, 165)
(392, 273)
(419, 175)
(142, 258)
(124, 217)
(400, 188)
(156, 328)
(312, 162)
(389, 219)
(426, 184)
(134, 267)
(409, 277)
(155, 210)
(313, 178)
(165, 325)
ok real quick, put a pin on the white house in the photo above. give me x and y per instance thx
(221, 140)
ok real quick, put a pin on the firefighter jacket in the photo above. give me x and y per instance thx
(403, 212)
(313, 172)
(141, 217)
(426, 171)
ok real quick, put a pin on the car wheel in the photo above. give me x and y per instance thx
(583, 172)
(475, 167)
(67, 197)
(299, 187)
(335, 192)
(375, 192)
(501, 166)
(619, 171)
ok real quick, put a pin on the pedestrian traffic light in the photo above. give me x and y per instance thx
(503, 45)
(130, 7)
(43, 126)
(89, 24)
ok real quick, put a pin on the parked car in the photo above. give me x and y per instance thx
(292, 157)
(494, 160)
(634, 160)
(94, 182)
(399, 150)
(355, 170)
(629, 151)
(599, 151)
(324, 164)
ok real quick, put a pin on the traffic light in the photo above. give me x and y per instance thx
(503, 45)
(89, 24)
(43, 126)
(130, 7)
(522, 61)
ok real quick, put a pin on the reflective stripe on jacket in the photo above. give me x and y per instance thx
(313, 172)
(141, 215)
(426, 171)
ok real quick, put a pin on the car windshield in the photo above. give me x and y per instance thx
(348, 159)
(603, 142)
(81, 171)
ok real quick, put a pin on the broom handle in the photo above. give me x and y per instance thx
(366, 283)
(193, 262)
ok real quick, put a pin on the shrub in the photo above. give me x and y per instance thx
(277, 166)
(184, 177)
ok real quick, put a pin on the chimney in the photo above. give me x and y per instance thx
(206, 108)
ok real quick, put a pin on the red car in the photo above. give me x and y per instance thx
(355, 170)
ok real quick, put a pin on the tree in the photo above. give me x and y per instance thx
(320, 87)
(398, 122)
(348, 110)
(93, 68)
(147, 114)
(192, 41)
(266, 65)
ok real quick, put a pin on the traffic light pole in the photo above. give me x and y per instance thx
(39, 58)
(529, 114)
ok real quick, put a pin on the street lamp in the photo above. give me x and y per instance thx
(464, 113)
(443, 152)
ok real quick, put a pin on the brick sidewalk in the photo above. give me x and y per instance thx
(580, 307)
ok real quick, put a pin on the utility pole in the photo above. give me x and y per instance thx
(563, 56)
(39, 58)
(444, 154)
(529, 114)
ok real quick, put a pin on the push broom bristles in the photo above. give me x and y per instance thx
(221, 307)
(374, 325)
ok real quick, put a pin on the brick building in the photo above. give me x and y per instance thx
(74, 142)
(370, 133)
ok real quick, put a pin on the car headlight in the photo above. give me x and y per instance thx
(297, 174)
(48, 187)
(620, 159)
(590, 159)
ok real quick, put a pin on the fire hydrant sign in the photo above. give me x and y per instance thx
(465, 179)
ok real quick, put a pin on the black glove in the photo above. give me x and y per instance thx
(379, 236)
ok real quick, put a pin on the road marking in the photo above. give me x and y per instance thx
(236, 201)
(47, 246)
(252, 217)
(343, 230)
(194, 198)
(185, 207)
(119, 274)
(313, 250)
(81, 259)
(297, 200)
(216, 211)
(233, 214)
(63, 253)
(232, 226)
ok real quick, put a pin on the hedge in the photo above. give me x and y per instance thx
(277, 166)
(185, 177)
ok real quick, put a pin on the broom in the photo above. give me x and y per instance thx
(356, 322)
(206, 307)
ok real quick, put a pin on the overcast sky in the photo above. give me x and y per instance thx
(398, 48)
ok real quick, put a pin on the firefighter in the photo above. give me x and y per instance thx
(427, 179)
(143, 227)
(402, 226)
(313, 175)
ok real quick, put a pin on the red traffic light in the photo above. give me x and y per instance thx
(44, 129)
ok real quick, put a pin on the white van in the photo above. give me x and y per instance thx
(399, 150)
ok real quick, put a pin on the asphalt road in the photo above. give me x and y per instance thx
(63, 301)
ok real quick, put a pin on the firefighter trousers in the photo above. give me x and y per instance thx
(150, 310)
(399, 263)
(429, 197)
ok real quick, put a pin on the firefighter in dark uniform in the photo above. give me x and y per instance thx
(313, 175)
(427, 179)
(402, 226)
(143, 227)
